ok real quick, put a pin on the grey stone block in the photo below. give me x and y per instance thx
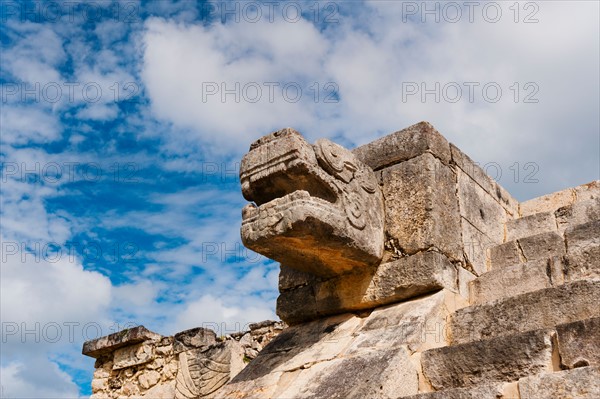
(543, 308)
(579, 343)
(421, 208)
(581, 383)
(506, 358)
(403, 145)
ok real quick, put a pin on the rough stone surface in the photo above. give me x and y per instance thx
(316, 209)
(468, 166)
(403, 145)
(530, 225)
(198, 368)
(481, 209)
(581, 383)
(583, 251)
(133, 356)
(578, 213)
(548, 203)
(485, 391)
(542, 246)
(518, 279)
(544, 308)
(318, 358)
(579, 343)
(107, 344)
(505, 255)
(195, 338)
(506, 358)
(476, 246)
(421, 208)
(393, 281)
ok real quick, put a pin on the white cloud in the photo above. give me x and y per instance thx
(370, 56)
(39, 378)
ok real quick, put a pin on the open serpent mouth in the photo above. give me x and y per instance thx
(310, 204)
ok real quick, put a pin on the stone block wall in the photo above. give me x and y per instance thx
(138, 363)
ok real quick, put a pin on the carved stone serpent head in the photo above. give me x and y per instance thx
(316, 208)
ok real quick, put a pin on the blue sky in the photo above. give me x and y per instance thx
(123, 123)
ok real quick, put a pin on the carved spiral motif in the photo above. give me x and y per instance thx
(335, 159)
(354, 210)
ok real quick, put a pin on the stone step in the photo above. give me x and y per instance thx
(565, 198)
(530, 225)
(553, 221)
(536, 247)
(582, 261)
(539, 309)
(579, 343)
(580, 383)
(518, 279)
(485, 391)
(501, 359)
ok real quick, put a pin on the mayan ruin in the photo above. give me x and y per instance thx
(406, 272)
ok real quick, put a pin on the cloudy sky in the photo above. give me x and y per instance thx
(123, 123)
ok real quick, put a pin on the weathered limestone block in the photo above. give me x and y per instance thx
(540, 309)
(506, 358)
(393, 281)
(418, 325)
(503, 197)
(517, 279)
(403, 145)
(505, 255)
(476, 246)
(548, 203)
(588, 191)
(361, 356)
(581, 383)
(583, 251)
(579, 343)
(317, 209)
(108, 344)
(133, 356)
(485, 391)
(421, 208)
(480, 208)
(537, 223)
(290, 278)
(373, 374)
(194, 338)
(542, 246)
(578, 213)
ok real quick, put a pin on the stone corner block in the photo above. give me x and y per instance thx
(405, 144)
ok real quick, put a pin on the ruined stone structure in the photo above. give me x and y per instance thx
(405, 272)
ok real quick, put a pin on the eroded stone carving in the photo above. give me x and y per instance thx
(202, 372)
(316, 208)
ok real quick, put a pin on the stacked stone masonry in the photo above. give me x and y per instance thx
(406, 271)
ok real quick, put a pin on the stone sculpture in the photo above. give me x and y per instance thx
(316, 208)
